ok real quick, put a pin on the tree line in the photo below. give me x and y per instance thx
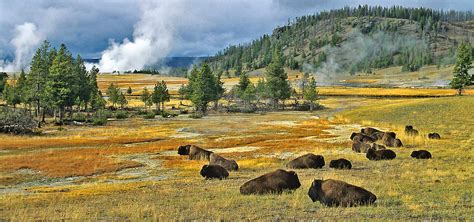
(303, 42)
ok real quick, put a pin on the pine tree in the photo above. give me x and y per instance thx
(160, 95)
(461, 77)
(129, 91)
(146, 98)
(244, 81)
(59, 89)
(82, 87)
(311, 93)
(260, 90)
(113, 92)
(3, 80)
(22, 87)
(203, 88)
(122, 100)
(278, 87)
(39, 74)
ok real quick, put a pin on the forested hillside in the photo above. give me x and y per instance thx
(357, 40)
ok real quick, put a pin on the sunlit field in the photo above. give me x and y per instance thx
(130, 170)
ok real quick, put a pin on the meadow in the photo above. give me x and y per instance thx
(130, 170)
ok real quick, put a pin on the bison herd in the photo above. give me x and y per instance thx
(371, 141)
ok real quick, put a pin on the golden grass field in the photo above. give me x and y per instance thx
(130, 170)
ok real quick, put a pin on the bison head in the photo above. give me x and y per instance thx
(370, 154)
(184, 150)
(353, 135)
(204, 170)
(414, 154)
(315, 190)
(294, 182)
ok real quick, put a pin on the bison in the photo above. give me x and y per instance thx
(434, 136)
(230, 165)
(273, 182)
(410, 131)
(377, 146)
(339, 193)
(340, 164)
(369, 131)
(380, 154)
(360, 137)
(194, 152)
(421, 154)
(360, 147)
(307, 161)
(214, 171)
(390, 139)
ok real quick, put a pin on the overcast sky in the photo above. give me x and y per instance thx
(109, 29)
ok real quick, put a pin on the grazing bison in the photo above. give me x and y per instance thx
(360, 147)
(194, 152)
(380, 154)
(307, 161)
(434, 136)
(214, 171)
(410, 131)
(360, 137)
(340, 164)
(230, 165)
(339, 193)
(369, 131)
(377, 146)
(273, 182)
(421, 154)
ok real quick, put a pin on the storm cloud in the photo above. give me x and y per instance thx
(131, 34)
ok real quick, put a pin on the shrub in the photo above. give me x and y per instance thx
(149, 115)
(100, 117)
(79, 117)
(121, 114)
(196, 115)
(16, 121)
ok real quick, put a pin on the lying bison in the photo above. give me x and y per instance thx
(434, 136)
(214, 171)
(339, 193)
(389, 139)
(194, 152)
(360, 147)
(273, 182)
(380, 154)
(230, 165)
(340, 164)
(307, 161)
(377, 146)
(421, 154)
(360, 137)
(410, 131)
(370, 131)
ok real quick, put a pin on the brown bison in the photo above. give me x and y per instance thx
(410, 131)
(360, 137)
(214, 171)
(194, 152)
(340, 164)
(360, 147)
(230, 165)
(421, 154)
(307, 161)
(380, 154)
(273, 182)
(434, 136)
(369, 131)
(390, 139)
(377, 146)
(339, 193)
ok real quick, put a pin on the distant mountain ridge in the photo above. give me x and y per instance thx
(168, 62)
